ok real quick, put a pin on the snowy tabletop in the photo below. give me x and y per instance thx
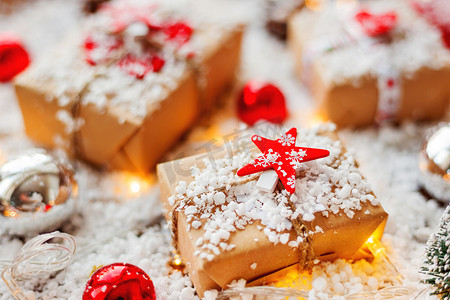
(119, 215)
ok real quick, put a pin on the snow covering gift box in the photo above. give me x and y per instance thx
(226, 229)
(120, 91)
(380, 60)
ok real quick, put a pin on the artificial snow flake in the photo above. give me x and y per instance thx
(267, 160)
(287, 140)
(291, 182)
(273, 158)
(296, 157)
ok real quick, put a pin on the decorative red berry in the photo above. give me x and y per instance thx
(157, 63)
(101, 49)
(179, 32)
(390, 83)
(139, 67)
(13, 57)
(374, 25)
(260, 101)
(119, 281)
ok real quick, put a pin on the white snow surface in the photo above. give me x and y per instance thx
(113, 225)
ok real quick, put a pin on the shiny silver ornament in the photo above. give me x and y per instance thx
(435, 163)
(36, 193)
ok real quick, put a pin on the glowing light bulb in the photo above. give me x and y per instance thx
(135, 187)
(375, 246)
(177, 263)
(8, 213)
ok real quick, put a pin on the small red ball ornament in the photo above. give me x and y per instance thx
(119, 281)
(261, 101)
(13, 57)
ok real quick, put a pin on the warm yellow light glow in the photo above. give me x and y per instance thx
(177, 261)
(9, 213)
(212, 133)
(379, 252)
(135, 187)
(314, 4)
(294, 278)
(375, 246)
(317, 118)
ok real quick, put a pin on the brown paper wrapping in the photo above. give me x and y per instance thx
(39, 97)
(425, 94)
(218, 67)
(136, 144)
(35, 108)
(342, 237)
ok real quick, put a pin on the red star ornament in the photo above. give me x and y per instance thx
(282, 156)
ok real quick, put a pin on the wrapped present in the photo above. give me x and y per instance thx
(227, 229)
(277, 14)
(124, 88)
(375, 61)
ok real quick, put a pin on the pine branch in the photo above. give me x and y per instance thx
(437, 258)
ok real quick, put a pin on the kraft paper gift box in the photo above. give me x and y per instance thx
(138, 121)
(225, 229)
(111, 118)
(48, 93)
(357, 79)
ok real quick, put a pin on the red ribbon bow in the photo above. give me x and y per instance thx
(376, 24)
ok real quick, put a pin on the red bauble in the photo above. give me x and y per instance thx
(374, 25)
(260, 101)
(13, 57)
(119, 281)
